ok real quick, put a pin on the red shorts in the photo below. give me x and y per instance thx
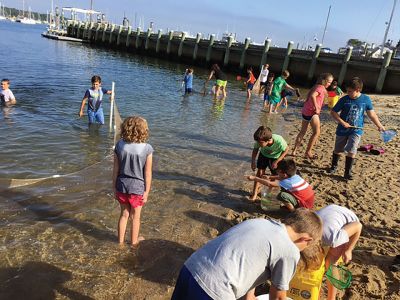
(131, 199)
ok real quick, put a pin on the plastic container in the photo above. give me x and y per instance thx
(306, 284)
(266, 200)
(332, 99)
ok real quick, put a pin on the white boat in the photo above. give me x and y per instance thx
(26, 20)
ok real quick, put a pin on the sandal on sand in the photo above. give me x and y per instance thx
(366, 148)
(379, 151)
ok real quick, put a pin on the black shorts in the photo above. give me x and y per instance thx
(263, 83)
(264, 162)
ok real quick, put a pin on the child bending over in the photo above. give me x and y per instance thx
(295, 191)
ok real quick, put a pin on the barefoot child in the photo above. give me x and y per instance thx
(310, 113)
(271, 149)
(279, 84)
(250, 82)
(341, 231)
(295, 191)
(232, 265)
(263, 78)
(352, 108)
(6, 95)
(132, 174)
(268, 89)
(94, 96)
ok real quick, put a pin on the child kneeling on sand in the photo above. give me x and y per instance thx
(232, 265)
(341, 231)
(295, 191)
(272, 147)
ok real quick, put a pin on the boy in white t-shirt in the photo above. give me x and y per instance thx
(341, 231)
(232, 265)
(6, 95)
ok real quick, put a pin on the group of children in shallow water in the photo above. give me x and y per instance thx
(233, 264)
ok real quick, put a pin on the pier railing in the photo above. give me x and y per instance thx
(379, 75)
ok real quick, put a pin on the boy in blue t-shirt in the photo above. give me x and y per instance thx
(188, 81)
(94, 96)
(351, 122)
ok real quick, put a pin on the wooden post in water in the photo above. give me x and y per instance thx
(90, 33)
(103, 38)
(158, 40)
(112, 105)
(170, 36)
(196, 46)
(287, 56)
(227, 50)
(98, 27)
(85, 32)
(313, 64)
(243, 57)
(180, 49)
(146, 45)
(120, 27)
(78, 34)
(209, 49)
(128, 36)
(382, 73)
(267, 43)
(343, 69)
(111, 33)
(137, 38)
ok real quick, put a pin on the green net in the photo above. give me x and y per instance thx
(339, 276)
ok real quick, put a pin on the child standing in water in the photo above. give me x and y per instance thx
(132, 174)
(188, 81)
(268, 89)
(250, 82)
(279, 84)
(6, 96)
(94, 96)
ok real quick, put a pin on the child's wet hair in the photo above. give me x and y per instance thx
(355, 83)
(134, 130)
(6, 80)
(96, 78)
(263, 133)
(189, 70)
(303, 220)
(287, 166)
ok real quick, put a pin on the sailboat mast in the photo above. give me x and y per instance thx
(387, 27)
(326, 24)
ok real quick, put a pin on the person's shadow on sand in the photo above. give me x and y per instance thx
(36, 280)
(157, 260)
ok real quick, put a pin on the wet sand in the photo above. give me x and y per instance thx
(77, 256)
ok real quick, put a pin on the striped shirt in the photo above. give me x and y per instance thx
(300, 189)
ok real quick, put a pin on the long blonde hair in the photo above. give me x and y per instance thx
(322, 80)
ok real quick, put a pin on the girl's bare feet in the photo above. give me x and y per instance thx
(140, 238)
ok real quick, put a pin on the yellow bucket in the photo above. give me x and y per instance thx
(306, 284)
(332, 101)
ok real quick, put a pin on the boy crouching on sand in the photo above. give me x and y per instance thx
(232, 265)
(351, 122)
(272, 147)
(295, 191)
(341, 231)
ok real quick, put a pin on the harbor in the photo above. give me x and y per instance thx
(58, 235)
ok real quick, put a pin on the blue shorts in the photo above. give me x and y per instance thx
(188, 90)
(187, 288)
(96, 116)
(266, 97)
(250, 86)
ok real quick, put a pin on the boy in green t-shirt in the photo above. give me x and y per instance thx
(273, 148)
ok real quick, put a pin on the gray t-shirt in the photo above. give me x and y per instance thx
(334, 218)
(6, 96)
(244, 257)
(132, 159)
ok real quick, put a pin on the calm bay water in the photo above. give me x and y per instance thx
(64, 229)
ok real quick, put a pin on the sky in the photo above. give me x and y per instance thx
(282, 21)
